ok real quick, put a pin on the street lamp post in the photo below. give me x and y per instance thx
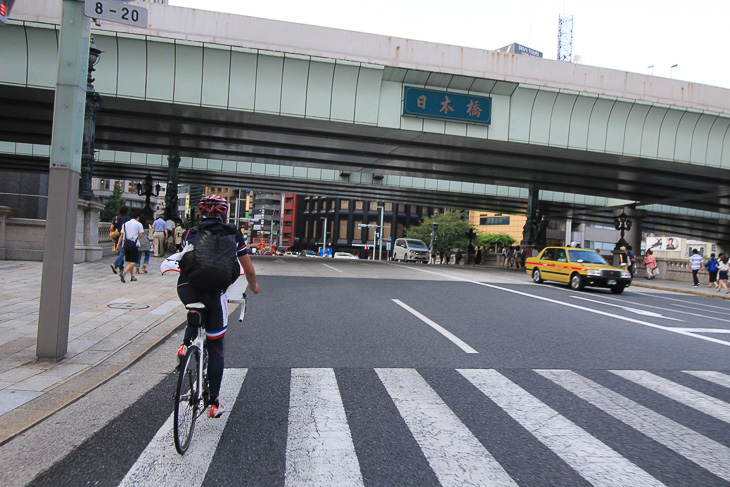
(93, 100)
(324, 236)
(623, 224)
(146, 190)
(380, 241)
(671, 68)
(435, 232)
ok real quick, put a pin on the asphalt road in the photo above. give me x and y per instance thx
(352, 373)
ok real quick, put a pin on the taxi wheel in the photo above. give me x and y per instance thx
(536, 276)
(617, 289)
(576, 282)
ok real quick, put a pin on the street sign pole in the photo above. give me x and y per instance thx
(54, 312)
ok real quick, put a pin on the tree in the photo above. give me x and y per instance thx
(489, 240)
(453, 231)
(111, 208)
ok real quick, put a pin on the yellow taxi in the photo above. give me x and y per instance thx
(578, 268)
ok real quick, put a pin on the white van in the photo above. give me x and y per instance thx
(410, 249)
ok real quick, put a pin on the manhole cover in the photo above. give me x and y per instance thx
(128, 306)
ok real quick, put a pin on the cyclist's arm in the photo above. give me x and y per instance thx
(250, 273)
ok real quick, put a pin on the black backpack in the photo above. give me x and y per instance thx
(212, 264)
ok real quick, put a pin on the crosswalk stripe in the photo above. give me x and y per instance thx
(709, 375)
(598, 463)
(705, 452)
(454, 453)
(160, 464)
(319, 449)
(689, 397)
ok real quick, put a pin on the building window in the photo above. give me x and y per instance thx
(389, 207)
(343, 229)
(289, 200)
(358, 205)
(344, 204)
(357, 232)
(287, 223)
(373, 206)
(494, 220)
(288, 212)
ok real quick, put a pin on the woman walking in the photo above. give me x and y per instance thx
(650, 264)
(711, 266)
(145, 245)
(722, 274)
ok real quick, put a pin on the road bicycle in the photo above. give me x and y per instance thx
(191, 394)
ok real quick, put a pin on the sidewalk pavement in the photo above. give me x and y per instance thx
(112, 325)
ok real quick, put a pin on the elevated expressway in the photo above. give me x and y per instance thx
(262, 104)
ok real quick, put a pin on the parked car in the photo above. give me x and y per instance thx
(345, 255)
(308, 253)
(290, 254)
(578, 268)
(410, 249)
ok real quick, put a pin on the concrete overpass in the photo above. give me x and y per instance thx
(263, 104)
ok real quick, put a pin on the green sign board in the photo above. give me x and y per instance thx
(445, 105)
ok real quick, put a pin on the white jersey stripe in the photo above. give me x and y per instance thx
(595, 461)
(160, 464)
(454, 453)
(716, 377)
(705, 452)
(319, 449)
(689, 397)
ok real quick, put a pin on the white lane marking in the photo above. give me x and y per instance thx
(705, 452)
(333, 268)
(655, 295)
(160, 464)
(446, 333)
(689, 397)
(582, 308)
(720, 311)
(456, 456)
(711, 376)
(595, 461)
(631, 310)
(319, 447)
(665, 309)
(705, 330)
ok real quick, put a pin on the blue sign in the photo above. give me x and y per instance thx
(445, 105)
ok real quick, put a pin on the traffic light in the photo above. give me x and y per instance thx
(5, 7)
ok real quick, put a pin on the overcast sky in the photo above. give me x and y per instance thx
(629, 35)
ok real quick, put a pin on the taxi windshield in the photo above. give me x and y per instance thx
(586, 257)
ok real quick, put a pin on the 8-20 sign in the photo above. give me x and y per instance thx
(116, 11)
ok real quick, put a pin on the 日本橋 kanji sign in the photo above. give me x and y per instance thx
(446, 105)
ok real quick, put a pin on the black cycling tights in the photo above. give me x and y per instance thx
(214, 323)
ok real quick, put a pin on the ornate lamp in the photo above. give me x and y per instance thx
(146, 190)
(623, 224)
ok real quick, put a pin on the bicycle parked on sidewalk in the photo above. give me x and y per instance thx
(191, 394)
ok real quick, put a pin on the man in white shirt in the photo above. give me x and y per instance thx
(131, 232)
(695, 263)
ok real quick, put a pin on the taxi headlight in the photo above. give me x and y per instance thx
(593, 273)
(626, 274)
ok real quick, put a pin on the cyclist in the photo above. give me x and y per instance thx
(213, 210)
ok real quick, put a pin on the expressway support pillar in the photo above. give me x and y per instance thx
(63, 187)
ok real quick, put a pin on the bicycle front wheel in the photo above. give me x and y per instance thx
(187, 401)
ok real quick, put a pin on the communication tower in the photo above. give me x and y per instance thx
(565, 38)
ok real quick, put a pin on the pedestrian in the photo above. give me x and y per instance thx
(650, 264)
(478, 256)
(510, 256)
(129, 239)
(518, 258)
(159, 236)
(459, 255)
(442, 257)
(695, 263)
(505, 259)
(722, 267)
(632, 260)
(449, 253)
(178, 235)
(711, 266)
(170, 235)
(623, 258)
(213, 210)
(114, 232)
(432, 256)
(145, 244)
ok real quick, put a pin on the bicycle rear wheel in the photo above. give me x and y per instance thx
(187, 401)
